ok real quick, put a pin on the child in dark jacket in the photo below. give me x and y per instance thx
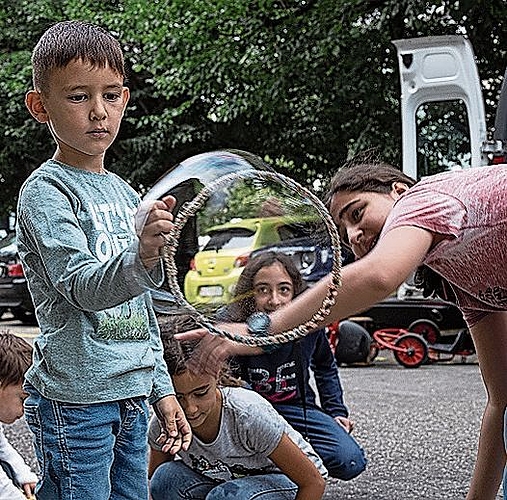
(282, 375)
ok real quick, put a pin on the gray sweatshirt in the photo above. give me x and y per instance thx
(99, 337)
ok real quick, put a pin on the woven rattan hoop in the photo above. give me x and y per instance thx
(190, 209)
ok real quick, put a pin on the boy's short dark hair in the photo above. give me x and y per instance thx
(70, 40)
(15, 358)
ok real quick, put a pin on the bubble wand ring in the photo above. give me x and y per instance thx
(190, 209)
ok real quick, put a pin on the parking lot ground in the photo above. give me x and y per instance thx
(419, 428)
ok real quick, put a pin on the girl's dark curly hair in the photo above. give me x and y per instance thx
(433, 285)
(178, 354)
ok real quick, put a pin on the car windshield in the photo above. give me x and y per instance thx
(238, 237)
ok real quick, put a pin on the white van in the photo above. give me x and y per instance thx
(442, 107)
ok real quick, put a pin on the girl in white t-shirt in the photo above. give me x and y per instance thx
(241, 447)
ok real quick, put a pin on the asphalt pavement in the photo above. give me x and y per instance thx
(419, 428)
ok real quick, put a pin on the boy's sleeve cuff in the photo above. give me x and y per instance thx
(155, 398)
(153, 278)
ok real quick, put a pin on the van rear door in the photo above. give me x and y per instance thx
(442, 107)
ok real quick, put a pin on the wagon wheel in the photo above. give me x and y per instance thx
(412, 350)
(426, 329)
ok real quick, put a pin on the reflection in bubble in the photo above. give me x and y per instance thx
(245, 212)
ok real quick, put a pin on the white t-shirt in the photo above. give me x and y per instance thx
(250, 430)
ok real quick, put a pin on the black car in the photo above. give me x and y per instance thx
(14, 294)
(431, 318)
(313, 258)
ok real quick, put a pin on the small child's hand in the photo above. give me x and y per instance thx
(176, 433)
(29, 490)
(346, 423)
(152, 221)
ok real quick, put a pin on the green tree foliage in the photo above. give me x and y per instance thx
(252, 198)
(307, 83)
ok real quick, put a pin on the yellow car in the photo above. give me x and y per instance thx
(215, 269)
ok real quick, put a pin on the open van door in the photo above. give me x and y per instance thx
(442, 107)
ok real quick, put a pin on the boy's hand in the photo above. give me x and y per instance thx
(176, 433)
(152, 221)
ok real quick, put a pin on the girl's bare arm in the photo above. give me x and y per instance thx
(364, 282)
(299, 468)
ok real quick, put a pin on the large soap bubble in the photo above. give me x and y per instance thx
(231, 206)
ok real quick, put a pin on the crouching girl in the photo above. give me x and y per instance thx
(242, 448)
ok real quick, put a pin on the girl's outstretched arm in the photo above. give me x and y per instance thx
(289, 458)
(364, 282)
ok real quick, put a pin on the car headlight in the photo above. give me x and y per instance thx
(307, 261)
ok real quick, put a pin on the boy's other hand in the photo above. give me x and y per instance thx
(153, 220)
(176, 433)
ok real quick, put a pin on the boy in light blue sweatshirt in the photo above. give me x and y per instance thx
(91, 255)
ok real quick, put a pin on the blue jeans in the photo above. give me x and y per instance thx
(177, 481)
(343, 457)
(89, 451)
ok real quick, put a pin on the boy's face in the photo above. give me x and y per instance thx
(83, 108)
(11, 402)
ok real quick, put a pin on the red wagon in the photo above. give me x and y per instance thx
(409, 349)
(421, 343)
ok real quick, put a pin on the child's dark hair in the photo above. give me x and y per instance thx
(70, 40)
(15, 358)
(243, 304)
(372, 177)
(178, 354)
